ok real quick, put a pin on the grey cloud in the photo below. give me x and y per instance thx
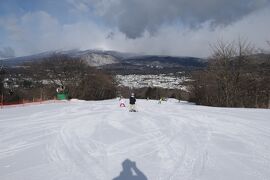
(7, 52)
(49, 34)
(134, 17)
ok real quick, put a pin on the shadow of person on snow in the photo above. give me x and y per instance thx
(130, 172)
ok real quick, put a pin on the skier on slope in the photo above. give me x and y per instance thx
(132, 101)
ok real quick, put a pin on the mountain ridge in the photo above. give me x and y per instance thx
(119, 62)
(79, 53)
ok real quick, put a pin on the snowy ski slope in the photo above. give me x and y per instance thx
(82, 140)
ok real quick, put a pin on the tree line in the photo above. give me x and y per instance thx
(39, 79)
(235, 77)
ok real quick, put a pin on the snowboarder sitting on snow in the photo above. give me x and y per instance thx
(122, 102)
(132, 101)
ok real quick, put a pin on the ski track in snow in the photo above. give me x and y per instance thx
(169, 141)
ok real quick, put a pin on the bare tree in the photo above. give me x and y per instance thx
(235, 77)
(268, 42)
(227, 64)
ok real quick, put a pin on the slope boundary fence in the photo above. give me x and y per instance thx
(28, 102)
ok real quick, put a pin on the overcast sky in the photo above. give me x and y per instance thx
(164, 27)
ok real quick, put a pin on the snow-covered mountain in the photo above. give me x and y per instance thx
(99, 60)
(98, 57)
(92, 141)
(115, 61)
(92, 57)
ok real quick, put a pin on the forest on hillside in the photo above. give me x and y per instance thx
(39, 80)
(235, 76)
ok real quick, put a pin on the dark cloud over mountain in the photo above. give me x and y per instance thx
(161, 27)
(134, 17)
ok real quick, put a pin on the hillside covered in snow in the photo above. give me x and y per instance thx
(90, 140)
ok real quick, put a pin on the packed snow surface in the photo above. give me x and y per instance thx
(89, 140)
